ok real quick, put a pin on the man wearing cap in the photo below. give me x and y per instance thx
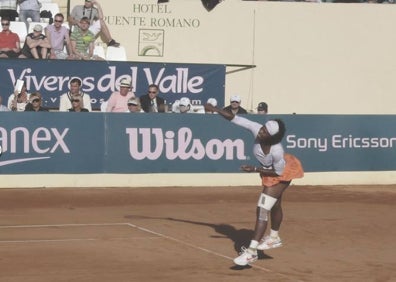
(134, 106)
(95, 16)
(185, 106)
(213, 102)
(150, 102)
(118, 101)
(36, 44)
(66, 99)
(262, 108)
(235, 106)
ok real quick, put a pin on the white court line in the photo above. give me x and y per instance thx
(133, 226)
(61, 225)
(205, 250)
(75, 239)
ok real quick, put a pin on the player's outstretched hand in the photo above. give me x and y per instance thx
(209, 107)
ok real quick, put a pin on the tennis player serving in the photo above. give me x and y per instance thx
(276, 170)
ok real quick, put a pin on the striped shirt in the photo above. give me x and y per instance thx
(82, 40)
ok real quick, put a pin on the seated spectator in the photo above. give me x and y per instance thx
(34, 104)
(10, 45)
(185, 106)
(262, 108)
(118, 101)
(36, 45)
(65, 101)
(95, 17)
(134, 106)
(150, 102)
(8, 9)
(29, 9)
(83, 42)
(235, 106)
(2, 107)
(77, 104)
(19, 99)
(58, 36)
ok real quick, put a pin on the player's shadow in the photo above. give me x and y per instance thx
(240, 237)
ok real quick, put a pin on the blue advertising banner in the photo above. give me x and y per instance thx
(100, 78)
(186, 143)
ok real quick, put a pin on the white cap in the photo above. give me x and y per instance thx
(133, 101)
(235, 98)
(212, 101)
(125, 82)
(272, 127)
(38, 28)
(184, 101)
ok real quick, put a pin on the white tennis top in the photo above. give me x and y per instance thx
(274, 159)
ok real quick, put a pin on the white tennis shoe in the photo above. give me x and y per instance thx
(269, 242)
(246, 256)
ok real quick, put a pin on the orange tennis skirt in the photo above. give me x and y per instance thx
(293, 169)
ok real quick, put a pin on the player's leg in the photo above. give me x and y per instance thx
(267, 200)
(277, 215)
(273, 240)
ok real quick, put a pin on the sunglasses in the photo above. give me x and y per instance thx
(130, 104)
(35, 100)
(76, 100)
(5, 24)
(234, 102)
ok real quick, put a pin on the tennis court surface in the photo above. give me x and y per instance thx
(330, 233)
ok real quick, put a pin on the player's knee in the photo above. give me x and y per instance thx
(265, 204)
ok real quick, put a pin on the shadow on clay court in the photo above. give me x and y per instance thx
(240, 237)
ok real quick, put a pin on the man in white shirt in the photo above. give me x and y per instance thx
(75, 90)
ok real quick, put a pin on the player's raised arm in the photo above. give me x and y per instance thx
(223, 113)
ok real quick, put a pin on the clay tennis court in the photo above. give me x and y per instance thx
(330, 233)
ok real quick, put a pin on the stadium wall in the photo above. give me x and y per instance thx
(310, 58)
(134, 150)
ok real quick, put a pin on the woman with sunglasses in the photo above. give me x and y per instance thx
(34, 104)
(77, 105)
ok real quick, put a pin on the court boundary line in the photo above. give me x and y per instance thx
(131, 225)
(206, 250)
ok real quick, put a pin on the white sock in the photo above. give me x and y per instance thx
(274, 233)
(253, 244)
